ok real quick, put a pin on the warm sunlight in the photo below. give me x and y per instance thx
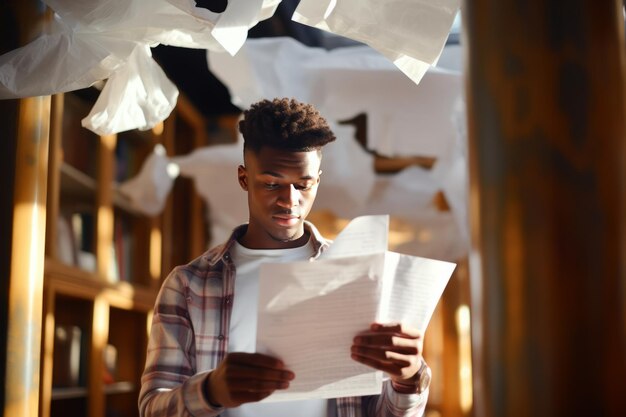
(465, 357)
(155, 252)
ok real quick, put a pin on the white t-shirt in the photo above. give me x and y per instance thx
(243, 321)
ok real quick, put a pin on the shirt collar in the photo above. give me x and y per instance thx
(217, 254)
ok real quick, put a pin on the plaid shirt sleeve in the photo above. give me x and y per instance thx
(170, 385)
(388, 404)
(393, 404)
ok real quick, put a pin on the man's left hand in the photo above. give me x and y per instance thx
(392, 348)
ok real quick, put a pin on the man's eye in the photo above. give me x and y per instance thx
(271, 186)
(303, 187)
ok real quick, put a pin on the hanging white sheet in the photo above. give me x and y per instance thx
(403, 119)
(94, 40)
(410, 33)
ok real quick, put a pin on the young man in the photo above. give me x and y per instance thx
(201, 357)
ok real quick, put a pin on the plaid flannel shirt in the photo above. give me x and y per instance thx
(189, 337)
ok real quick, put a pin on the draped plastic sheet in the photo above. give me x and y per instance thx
(410, 33)
(406, 196)
(344, 165)
(141, 78)
(342, 83)
(403, 119)
(149, 189)
(92, 40)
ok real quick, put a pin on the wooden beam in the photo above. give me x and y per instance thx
(23, 220)
(547, 131)
(100, 334)
(25, 295)
(8, 121)
(54, 173)
(104, 206)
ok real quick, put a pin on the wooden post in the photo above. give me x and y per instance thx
(104, 206)
(55, 156)
(28, 243)
(8, 117)
(168, 138)
(547, 131)
(100, 334)
(24, 133)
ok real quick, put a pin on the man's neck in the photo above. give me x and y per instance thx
(271, 243)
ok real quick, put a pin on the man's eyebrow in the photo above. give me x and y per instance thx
(272, 174)
(278, 175)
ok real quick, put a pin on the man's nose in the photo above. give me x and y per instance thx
(289, 197)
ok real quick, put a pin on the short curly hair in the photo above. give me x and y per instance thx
(285, 124)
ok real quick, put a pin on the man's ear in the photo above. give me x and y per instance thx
(319, 176)
(242, 176)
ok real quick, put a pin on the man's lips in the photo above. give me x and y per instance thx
(286, 216)
(286, 219)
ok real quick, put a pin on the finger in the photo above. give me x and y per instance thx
(404, 358)
(387, 341)
(397, 328)
(386, 366)
(255, 359)
(255, 385)
(235, 372)
(403, 368)
(248, 396)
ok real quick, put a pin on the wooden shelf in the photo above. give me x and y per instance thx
(70, 280)
(122, 202)
(74, 181)
(69, 393)
(121, 387)
(105, 312)
(77, 186)
(82, 299)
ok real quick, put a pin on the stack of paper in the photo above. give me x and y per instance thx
(309, 312)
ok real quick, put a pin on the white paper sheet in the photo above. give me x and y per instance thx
(415, 285)
(316, 309)
(238, 14)
(410, 33)
(364, 235)
(309, 312)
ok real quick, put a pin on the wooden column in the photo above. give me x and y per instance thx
(547, 174)
(55, 160)
(104, 206)
(8, 117)
(27, 254)
(167, 228)
(24, 132)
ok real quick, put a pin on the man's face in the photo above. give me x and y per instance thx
(281, 186)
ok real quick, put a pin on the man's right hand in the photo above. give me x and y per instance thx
(246, 377)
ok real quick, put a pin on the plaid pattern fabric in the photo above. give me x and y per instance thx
(189, 337)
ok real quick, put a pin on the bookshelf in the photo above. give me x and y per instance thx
(104, 260)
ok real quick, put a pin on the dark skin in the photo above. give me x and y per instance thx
(281, 187)
(392, 348)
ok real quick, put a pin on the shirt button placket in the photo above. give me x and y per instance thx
(228, 299)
